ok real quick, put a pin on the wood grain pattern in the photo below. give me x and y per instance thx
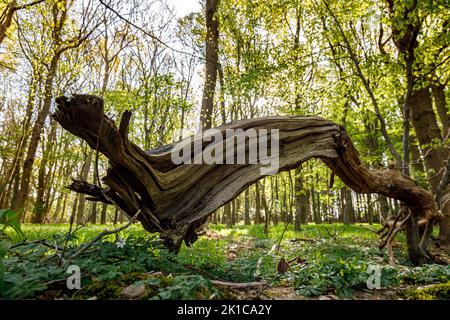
(175, 200)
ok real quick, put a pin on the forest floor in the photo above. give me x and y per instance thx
(327, 261)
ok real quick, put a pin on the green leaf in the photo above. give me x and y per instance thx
(9, 218)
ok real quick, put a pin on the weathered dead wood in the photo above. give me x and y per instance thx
(240, 285)
(175, 200)
(391, 237)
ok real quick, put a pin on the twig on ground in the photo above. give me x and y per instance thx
(334, 237)
(205, 273)
(40, 241)
(367, 228)
(303, 239)
(242, 285)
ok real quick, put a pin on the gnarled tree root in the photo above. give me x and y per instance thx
(175, 200)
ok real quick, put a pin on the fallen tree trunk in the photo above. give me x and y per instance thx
(175, 200)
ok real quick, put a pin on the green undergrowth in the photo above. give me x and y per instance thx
(439, 291)
(322, 259)
(155, 286)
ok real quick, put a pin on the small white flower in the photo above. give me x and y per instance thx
(120, 243)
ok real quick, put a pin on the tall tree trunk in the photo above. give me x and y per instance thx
(40, 206)
(235, 205)
(298, 205)
(266, 207)
(84, 174)
(284, 207)
(64, 206)
(441, 106)
(406, 30)
(427, 132)
(121, 216)
(73, 212)
(53, 182)
(307, 216)
(116, 215)
(349, 211)
(257, 204)
(416, 156)
(316, 199)
(103, 214)
(384, 208)
(227, 214)
(212, 60)
(369, 208)
(93, 217)
(247, 207)
(317, 211)
(301, 201)
(215, 219)
(22, 147)
(59, 201)
(22, 195)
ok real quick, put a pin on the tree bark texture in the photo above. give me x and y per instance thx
(175, 200)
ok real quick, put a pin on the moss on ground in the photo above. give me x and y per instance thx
(439, 291)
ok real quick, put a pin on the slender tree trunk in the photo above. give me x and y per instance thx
(39, 208)
(416, 157)
(427, 132)
(53, 182)
(247, 207)
(59, 201)
(384, 208)
(307, 217)
(298, 204)
(22, 196)
(82, 200)
(215, 220)
(103, 214)
(441, 106)
(15, 175)
(284, 209)
(342, 217)
(257, 204)
(116, 215)
(317, 214)
(212, 59)
(233, 212)
(301, 202)
(317, 211)
(74, 208)
(266, 207)
(413, 239)
(227, 214)
(349, 211)
(93, 217)
(63, 210)
(369, 208)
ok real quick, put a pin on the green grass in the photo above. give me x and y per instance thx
(336, 259)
